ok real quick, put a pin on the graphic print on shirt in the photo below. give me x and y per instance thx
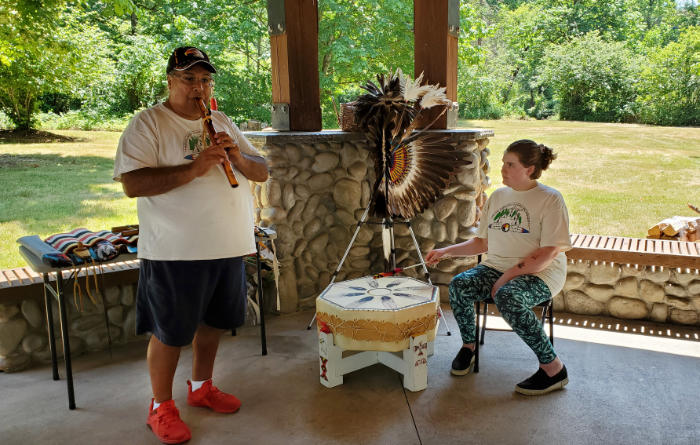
(193, 144)
(512, 217)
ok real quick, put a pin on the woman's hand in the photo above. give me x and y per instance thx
(434, 256)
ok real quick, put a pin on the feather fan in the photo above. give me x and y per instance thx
(417, 164)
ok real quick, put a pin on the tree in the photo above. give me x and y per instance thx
(477, 89)
(593, 80)
(670, 83)
(357, 41)
(44, 48)
(234, 34)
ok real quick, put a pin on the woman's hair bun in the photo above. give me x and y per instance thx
(548, 156)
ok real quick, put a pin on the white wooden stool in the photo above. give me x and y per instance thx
(389, 320)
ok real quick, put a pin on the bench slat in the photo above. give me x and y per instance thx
(617, 245)
(648, 245)
(675, 248)
(665, 247)
(4, 281)
(11, 278)
(22, 275)
(695, 247)
(574, 238)
(610, 242)
(626, 244)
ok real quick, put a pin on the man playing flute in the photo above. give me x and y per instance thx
(194, 229)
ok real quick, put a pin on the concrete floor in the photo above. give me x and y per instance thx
(624, 389)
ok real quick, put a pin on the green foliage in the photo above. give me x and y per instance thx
(592, 79)
(106, 58)
(140, 74)
(24, 60)
(357, 41)
(5, 123)
(84, 119)
(42, 53)
(477, 94)
(670, 83)
(242, 95)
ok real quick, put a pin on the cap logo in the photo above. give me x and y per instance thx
(194, 52)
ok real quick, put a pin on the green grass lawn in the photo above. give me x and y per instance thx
(617, 179)
(53, 187)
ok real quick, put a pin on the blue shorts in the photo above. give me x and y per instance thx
(175, 297)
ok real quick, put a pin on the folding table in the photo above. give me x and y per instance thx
(55, 287)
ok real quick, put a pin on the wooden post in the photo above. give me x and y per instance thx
(436, 25)
(293, 28)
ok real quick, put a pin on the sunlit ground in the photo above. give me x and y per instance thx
(637, 334)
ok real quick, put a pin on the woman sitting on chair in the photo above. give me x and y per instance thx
(524, 230)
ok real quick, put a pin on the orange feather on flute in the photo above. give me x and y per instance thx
(206, 116)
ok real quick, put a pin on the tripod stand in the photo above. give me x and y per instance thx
(388, 224)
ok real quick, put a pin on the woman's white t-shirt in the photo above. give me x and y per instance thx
(517, 223)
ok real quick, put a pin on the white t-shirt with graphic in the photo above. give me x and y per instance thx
(517, 223)
(201, 220)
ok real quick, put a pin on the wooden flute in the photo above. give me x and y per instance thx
(206, 116)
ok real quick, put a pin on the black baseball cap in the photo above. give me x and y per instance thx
(185, 57)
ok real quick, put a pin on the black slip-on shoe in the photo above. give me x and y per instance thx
(463, 362)
(540, 383)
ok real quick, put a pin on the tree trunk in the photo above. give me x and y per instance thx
(22, 111)
(134, 22)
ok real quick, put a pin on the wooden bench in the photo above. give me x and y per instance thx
(640, 251)
(21, 283)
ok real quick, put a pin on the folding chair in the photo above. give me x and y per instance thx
(547, 314)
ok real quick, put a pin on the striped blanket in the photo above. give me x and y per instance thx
(103, 245)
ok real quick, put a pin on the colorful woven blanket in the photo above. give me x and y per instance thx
(103, 245)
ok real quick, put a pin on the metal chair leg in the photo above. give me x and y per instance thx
(547, 315)
(544, 314)
(483, 327)
(551, 321)
(477, 304)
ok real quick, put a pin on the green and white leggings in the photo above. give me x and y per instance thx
(514, 300)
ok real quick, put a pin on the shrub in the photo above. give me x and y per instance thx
(477, 94)
(669, 92)
(5, 123)
(82, 120)
(593, 80)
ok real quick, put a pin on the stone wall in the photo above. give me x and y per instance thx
(647, 293)
(23, 332)
(318, 190)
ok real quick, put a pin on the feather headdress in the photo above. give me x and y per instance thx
(417, 165)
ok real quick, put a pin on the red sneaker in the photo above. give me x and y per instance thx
(166, 424)
(209, 395)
